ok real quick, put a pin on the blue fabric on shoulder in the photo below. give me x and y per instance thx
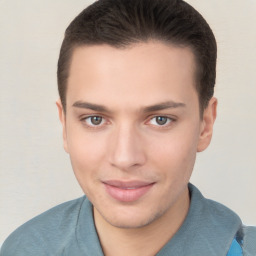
(235, 249)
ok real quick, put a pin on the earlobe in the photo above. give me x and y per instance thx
(206, 130)
(62, 118)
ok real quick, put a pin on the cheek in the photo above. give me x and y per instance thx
(86, 159)
(86, 152)
(175, 153)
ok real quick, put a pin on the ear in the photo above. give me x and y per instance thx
(62, 118)
(206, 129)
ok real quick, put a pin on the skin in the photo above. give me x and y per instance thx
(130, 91)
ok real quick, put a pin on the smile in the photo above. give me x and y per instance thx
(127, 191)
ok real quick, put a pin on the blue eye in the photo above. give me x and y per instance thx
(160, 120)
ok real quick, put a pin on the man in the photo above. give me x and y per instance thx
(136, 81)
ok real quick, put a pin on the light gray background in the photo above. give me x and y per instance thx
(35, 173)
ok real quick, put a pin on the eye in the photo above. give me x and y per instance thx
(160, 120)
(94, 120)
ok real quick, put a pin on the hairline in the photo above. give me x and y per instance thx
(76, 45)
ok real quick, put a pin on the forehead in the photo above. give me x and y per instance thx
(150, 72)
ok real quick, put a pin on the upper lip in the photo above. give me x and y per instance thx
(127, 184)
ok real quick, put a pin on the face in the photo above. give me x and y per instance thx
(132, 128)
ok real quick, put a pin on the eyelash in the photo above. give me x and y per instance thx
(92, 126)
(103, 122)
(169, 121)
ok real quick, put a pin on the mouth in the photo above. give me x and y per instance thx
(127, 191)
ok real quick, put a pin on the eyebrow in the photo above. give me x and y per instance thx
(163, 105)
(153, 108)
(91, 106)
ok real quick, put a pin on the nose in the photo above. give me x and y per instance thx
(126, 150)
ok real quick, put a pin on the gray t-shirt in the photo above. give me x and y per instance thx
(68, 229)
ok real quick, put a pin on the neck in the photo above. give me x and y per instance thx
(146, 240)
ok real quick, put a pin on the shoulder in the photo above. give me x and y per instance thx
(249, 240)
(223, 221)
(212, 210)
(220, 226)
(44, 232)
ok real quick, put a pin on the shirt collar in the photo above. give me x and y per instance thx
(208, 229)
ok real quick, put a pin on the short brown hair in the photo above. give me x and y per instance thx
(120, 23)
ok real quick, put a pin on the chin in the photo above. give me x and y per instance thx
(126, 219)
(132, 223)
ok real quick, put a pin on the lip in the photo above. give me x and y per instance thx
(127, 191)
